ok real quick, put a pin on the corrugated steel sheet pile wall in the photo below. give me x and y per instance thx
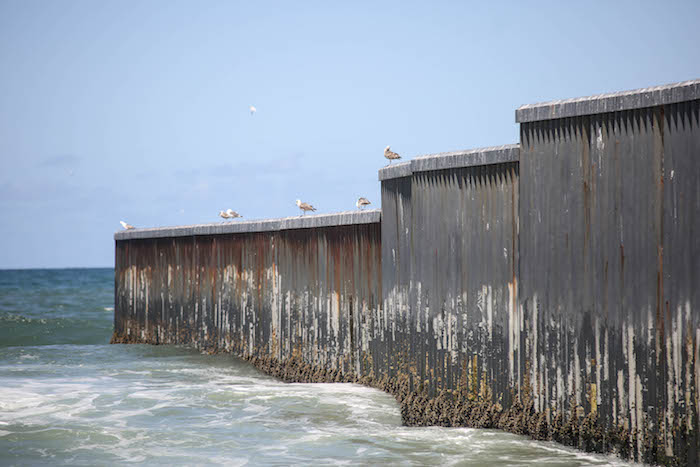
(297, 288)
(449, 262)
(610, 263)
(550, 288)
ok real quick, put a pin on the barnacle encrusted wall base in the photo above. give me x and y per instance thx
(549, 288)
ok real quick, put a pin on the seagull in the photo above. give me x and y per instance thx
(232, 214)
(224, 215)
(391, 155)
(252, 109)
(126, 226)
(305, 207)
(362, 202)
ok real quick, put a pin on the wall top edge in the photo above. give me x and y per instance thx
(612, 102)
(263, 225)
(395, 171)
(452, 160)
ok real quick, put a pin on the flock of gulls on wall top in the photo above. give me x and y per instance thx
(231, 214)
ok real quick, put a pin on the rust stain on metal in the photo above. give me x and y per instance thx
(556, 296)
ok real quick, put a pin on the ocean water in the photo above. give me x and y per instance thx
(67, 397)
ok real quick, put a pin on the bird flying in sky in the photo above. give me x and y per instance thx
(126, 226)
(252, 110)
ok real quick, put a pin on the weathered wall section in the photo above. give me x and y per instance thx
(610, 263)
(278, 289)
(449, 259)
(550, 288)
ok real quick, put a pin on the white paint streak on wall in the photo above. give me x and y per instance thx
(599, 140)
(606, 356)
(436, 331)
(276, 308)
(534, 371)
(578, 384)
(632, 381)
(689, 351)
(620, 405)
(335, 315)
(288, 307)
(147, 297)
(513, 333)
(677, 348)
(561, 389)
(639, 407)
(489, 309)
(670, 416)
(697, 366)
(598, 358)
(454, 344)
(419, 297)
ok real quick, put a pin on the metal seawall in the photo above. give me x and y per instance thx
(549, 288)
(610, 263)
(449, 262)
(305, 293)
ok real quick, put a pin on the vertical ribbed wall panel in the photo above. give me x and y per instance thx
(313, 294)
(610, 270)
(450, 255)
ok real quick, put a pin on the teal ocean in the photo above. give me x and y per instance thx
(67, 397)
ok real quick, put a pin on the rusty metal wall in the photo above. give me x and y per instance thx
(610, 268)
(310, 293)
(556, 282)
(449, 262)
(396, 271)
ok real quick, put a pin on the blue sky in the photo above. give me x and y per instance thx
(133, 110)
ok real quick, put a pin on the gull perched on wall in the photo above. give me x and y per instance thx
(252, 110)
(126, 226)
(362, 202)
(229, 214)
(305, 207)
(391, 155)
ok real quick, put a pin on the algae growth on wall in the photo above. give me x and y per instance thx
(549, 288)
(449, 259)
(610, 263)
(278, 288)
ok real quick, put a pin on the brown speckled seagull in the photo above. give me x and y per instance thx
(305, 207)
(391, 155)
(362, 202)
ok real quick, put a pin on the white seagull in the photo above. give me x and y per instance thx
(305, 207)
(391, 155)
(126, 226)
(252, 109)
(232, 214)
(224, 215)
(362, 202)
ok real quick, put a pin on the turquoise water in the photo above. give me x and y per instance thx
(67, 397)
